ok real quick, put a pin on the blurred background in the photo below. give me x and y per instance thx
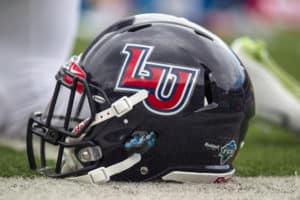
(275, 21)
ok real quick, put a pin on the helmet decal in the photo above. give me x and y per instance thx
(227, 151)
(170, 86)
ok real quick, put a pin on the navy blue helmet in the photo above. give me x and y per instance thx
(152, 97)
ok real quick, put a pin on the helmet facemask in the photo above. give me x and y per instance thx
(68, 119)
(62, 125)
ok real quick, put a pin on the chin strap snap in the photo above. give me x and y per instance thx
(103, 174)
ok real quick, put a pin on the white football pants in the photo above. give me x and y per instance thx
(36, 37)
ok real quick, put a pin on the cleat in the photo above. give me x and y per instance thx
(277, 93)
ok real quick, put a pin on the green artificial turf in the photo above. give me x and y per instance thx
(269, 150)
(80, 46)
(284, 47)
(14, 163)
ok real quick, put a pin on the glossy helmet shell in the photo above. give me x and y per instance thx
(217, 111)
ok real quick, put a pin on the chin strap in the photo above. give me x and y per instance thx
(117, 109)
(103, 174)
(120, 107)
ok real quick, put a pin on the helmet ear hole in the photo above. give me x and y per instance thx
(118, 136)
(208, 89)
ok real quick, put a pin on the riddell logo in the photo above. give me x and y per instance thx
(170, 86)
(80, 126)
(221, 180)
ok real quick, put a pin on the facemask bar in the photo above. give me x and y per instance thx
(61, 147)
(67, 117)
(55, 135)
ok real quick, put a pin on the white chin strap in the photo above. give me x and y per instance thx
(117, 109)
(103, 174)
(120, 107)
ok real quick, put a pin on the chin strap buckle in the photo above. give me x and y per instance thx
(121, 106)
(99, 175)
(103, 174)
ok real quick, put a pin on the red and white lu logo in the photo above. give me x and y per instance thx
(170, 87)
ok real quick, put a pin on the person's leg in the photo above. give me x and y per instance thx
(36, 37)
(3, 109)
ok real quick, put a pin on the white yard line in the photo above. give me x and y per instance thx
(272, 188)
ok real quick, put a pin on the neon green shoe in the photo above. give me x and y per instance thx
(277, 94)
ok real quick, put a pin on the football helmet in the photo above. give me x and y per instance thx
(153, 97)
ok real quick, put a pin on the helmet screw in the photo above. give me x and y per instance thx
(144, 170)
(84, 156)
(125, 121)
